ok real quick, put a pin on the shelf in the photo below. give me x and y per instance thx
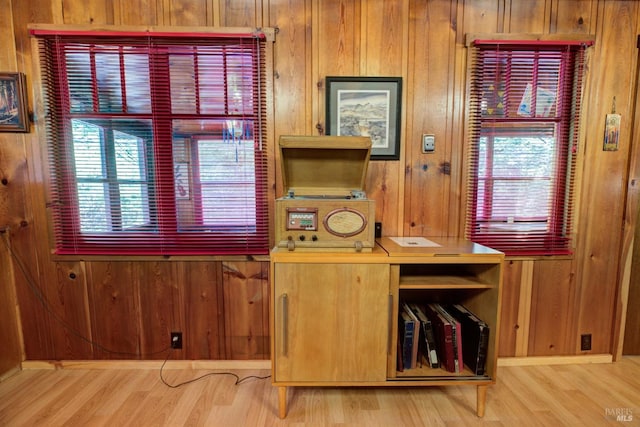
(442, 282)
(425, 374)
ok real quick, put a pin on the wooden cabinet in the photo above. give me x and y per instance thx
(334, 317)
(331, 322)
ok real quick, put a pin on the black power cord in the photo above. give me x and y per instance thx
(209, 374)
(45, 304)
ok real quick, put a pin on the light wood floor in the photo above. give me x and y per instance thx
(561, 395)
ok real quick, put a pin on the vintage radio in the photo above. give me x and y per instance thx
(325, 207)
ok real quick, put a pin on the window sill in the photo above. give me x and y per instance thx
(125, 258)
(538, 257)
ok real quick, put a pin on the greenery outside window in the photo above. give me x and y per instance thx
(523, 139)
(157, 143)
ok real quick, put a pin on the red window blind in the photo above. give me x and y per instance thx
(157, 142)
(523, 133)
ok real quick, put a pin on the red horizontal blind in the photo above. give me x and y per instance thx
(523, 134)
(157, 144)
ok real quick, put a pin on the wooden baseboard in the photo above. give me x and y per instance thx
(555, 360)
(147, 364)
(9, 373)
(266, 364)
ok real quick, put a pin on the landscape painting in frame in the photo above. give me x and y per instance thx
(14, 114)
(366, 106)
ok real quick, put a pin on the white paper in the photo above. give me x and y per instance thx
(417, 242)
(544, 102)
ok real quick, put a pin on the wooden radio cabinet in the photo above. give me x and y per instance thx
(334, 316)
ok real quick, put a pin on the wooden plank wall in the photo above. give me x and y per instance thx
(13, 181)
(130, 306)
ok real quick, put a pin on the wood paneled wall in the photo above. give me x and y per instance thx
(130, 306)
(12, 209)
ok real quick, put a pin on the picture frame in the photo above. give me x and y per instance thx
(366, 106)
(612, 132)
(14, 111)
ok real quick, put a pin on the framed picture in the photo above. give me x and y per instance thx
(612, 132)
(14, 113)
(366, 106)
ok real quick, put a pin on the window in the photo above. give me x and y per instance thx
(523, 134)
(157, 143)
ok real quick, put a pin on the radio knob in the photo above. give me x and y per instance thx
(314, 238)
(302, 237)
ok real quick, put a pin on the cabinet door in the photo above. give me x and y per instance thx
(331, 322)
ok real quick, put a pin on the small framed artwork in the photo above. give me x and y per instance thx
(14, 112)
(611, 132)
(366, 106)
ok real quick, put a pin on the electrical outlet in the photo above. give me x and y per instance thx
(176, 340)
(585, 342)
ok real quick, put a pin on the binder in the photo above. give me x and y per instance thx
(456, 338)
(416, 335)
(444, 338)
(476, 338)
(427, 343)
(407, 330)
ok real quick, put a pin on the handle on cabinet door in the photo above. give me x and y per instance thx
(285, 321)
(390, 325)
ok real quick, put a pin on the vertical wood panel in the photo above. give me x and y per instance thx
(483, 16)
(551, 297)
(35, 321)
(430, 103)
(187, 12)
(293, 85)
(632, 323)
(509, 326)
(241, 13)
(531, 16)
(71, 320)
(16, 189)
(203, 329)
(246, 303)
(10, 336)
(383, 37)
(60, 294)
(157, 285)
(13, 179)
(574, 16)
(335, 47)
(524, 308)
(8, 53)
(627, 335)
(338, 37)
(87, 11)
(383, 54)
(611, 71)
(115, 310)
(136, 12)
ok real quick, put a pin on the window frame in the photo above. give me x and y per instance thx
(110, 179)
(512, 240)
(169, 241)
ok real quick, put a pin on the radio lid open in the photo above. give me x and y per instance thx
(330, 166)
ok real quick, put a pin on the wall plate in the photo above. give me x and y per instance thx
(428, 143)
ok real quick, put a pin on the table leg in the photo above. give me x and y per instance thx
(481, 400)
(282, 402)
